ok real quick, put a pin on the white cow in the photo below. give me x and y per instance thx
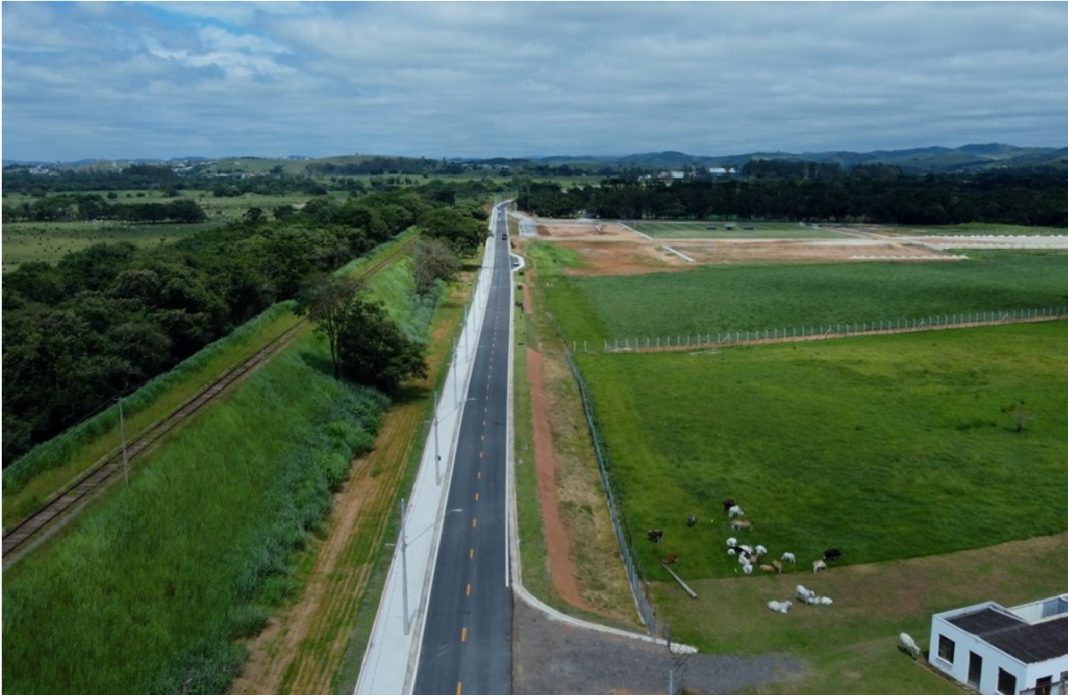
(818, 566)
(734, 511)
(788, 557)
(780, 606)
(906, 644)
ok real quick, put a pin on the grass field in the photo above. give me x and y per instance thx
(760, 230)
(885, 447)
(785, 296)
(978, 228)
(48, 241)
(851, 647)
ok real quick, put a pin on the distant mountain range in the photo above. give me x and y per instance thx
(976, 157)
(936, 159)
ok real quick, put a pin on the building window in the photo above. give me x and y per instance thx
(975, 669)
(1006, 682)
(1043, 686)
(946, 647)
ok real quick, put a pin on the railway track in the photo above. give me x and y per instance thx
(67, 502)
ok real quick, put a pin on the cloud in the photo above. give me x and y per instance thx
(474, 79)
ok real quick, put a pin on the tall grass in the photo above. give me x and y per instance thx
(149, 593)
(395, 288)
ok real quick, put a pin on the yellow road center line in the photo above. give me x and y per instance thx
(471, 553)
(463, 634)
(476, 497)
(459, 687)
(474, 522)
(469, 588)
(481, 453)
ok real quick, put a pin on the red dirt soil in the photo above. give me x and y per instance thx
(557, 543)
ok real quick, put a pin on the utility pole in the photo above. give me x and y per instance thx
(404, 566)
(122, 434)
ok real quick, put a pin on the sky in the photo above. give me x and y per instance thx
(174, 79)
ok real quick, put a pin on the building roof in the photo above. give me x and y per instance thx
(1017, 638)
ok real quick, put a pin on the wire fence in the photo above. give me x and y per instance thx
(822, 332)
(619, 524)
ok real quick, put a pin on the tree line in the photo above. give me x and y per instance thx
(105, 319)
(87, 206)
(821, 193)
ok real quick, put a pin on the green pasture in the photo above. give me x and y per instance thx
(885, 447)
(978, 228)
(728, 298)
(760, 230)
(49, 241)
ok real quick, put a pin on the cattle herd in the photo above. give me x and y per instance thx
(750, 556)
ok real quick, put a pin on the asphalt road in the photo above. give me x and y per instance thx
(467, 639)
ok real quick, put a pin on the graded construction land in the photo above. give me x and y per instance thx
(611, 248)
(718, 229)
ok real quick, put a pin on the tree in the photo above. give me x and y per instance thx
(325, 300)
(462, 231)
(373, 350)
(432, 260)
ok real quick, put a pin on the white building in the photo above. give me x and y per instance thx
(1004, 651)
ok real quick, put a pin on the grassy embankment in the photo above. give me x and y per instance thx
(49, 466)
(664, 229)
(148, 593)
(317, 642)
(601, 581)
(300, 452)
(729, 298)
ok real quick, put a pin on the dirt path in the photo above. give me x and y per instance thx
(582, 552)
(557, 543)
(304, 647)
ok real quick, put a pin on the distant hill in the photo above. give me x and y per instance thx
(973, 157)
(917, 159)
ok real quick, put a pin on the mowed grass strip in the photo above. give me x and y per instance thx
(717, 229)
(885, 447)
(730, 298)
(978, 228)
(851, 646)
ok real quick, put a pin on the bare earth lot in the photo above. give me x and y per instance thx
(613, 249)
